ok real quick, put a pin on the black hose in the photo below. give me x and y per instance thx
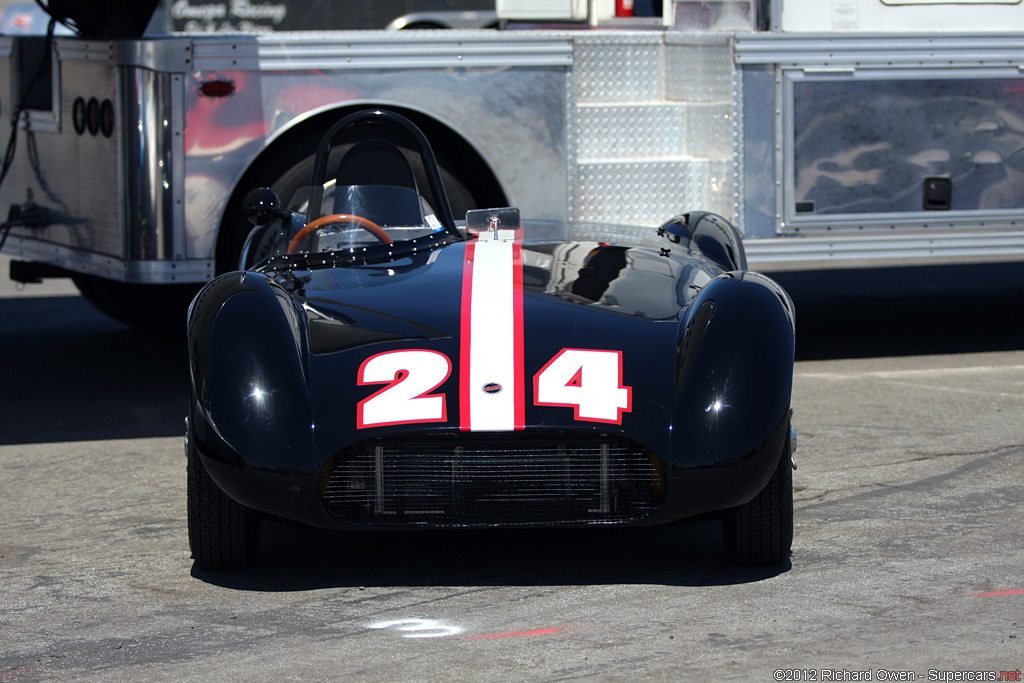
(12, 141)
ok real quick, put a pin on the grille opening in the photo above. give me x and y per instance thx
(493, 479)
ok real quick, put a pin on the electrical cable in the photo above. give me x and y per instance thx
(66, 21)
(12, 141)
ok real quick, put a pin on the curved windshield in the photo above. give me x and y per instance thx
(360, 216)
(366, 196)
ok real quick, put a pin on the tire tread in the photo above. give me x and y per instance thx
(761, 532)
(222, 534)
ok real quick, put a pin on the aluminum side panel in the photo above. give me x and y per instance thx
(514, 117)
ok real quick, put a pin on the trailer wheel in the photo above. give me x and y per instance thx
(222, 534)
(153, 308)
(229, 247)
(468, 181)
(761, 532)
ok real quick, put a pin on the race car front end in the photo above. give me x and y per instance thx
(512, 395)
(379, 366)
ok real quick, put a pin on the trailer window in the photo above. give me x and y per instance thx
(864, 146)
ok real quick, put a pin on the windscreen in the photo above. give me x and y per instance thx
(358, 216)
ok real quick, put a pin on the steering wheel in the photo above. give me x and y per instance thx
(364, 223)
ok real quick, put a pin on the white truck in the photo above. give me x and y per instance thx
(834, 133)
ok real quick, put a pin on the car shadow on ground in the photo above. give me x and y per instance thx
(685, 554)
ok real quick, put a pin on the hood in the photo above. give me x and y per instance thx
(497, 335)
(420, 296)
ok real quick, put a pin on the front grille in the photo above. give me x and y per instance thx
(488, 479)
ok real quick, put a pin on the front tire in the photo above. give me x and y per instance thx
(761, 532)
(222, 534)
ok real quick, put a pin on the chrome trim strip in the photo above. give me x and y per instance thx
(151, 132)
(140, 272)
(75, 49)
(874, 49)
(168, 55)
(863, 249)
(353, 50)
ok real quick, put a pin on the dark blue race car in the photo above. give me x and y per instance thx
(378, 364)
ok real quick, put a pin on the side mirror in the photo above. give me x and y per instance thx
(262, 207)
(479, 220)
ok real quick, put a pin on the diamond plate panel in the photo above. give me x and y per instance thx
(572, 142)
(710, 129)
(642, 193)
(629, 70)
(632, 131)
(650, 193)
(698, 68)
(723, 190)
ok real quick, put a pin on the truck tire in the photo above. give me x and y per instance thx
(761, 532)
(153, 308)
(468, 181)
(285, 185)
(222, 534)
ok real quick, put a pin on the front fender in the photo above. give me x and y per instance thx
(712, 235)
(734, 376)
(250, 374)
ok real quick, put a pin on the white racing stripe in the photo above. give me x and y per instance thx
(492, 336)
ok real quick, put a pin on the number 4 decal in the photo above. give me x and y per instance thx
(589, 381)
(410, 377)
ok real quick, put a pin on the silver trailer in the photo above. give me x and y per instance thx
(834, 134)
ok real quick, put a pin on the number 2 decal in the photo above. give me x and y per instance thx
(410, 377)
(587, 380)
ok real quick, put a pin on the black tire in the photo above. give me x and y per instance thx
(154, 308)
(222, 534)
(761, 532)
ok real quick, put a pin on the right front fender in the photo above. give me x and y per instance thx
(734, 374)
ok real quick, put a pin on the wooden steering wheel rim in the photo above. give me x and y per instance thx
(364, 223)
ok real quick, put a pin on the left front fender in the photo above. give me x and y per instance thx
(734, 374)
